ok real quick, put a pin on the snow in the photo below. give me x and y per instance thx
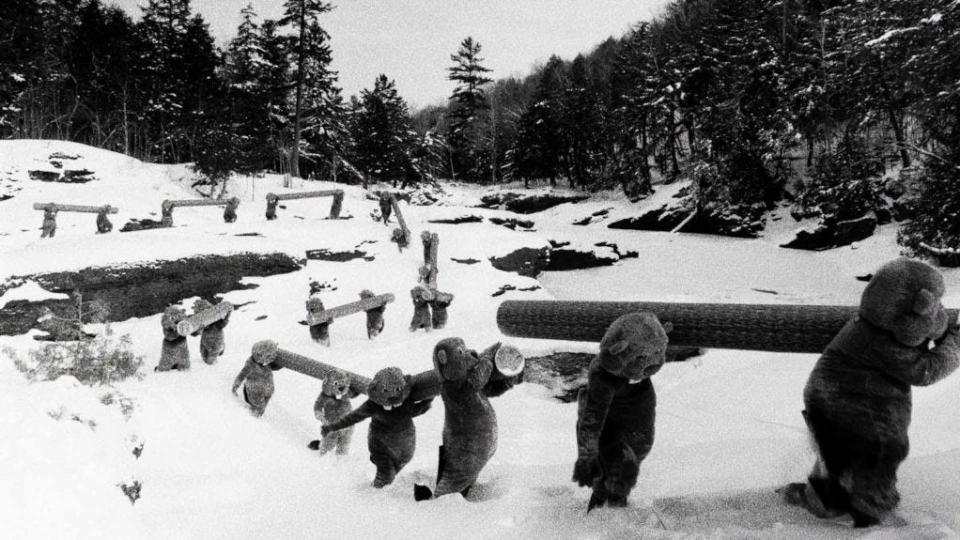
(31, 292)
(729, 428)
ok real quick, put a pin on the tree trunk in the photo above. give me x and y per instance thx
(295, 154)
(898, 135)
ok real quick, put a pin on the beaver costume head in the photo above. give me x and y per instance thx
(634, 346)
(903, 298)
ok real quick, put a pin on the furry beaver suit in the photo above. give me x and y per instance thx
(616, 413)
(858, 399)
(392, 437)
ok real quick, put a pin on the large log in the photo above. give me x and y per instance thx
(327, 315)
(305, 194)
(431, 244)
(756, 327)
(204, 318)
(77, 208)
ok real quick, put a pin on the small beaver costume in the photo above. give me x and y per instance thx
(332, 404)
(257, 376)
(175, 354)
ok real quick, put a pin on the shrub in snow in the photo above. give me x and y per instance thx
(102, 359)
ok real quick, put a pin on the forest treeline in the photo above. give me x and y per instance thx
(753, 101)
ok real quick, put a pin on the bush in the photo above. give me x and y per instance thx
(937, 206)
(846, 184)
(102, 359)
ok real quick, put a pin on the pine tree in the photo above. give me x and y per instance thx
(381, 131)
(466, 135)
(312, 51)
(540, 141)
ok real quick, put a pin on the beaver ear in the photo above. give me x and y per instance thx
(617, 348)
(441, 357)
(924, 303)
(668, 327)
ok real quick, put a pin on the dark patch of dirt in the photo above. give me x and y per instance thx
(249, 234)
(598, 214)
(337, 256)
(141, 289)
(464, 261)
(660, 219)
(527, 262)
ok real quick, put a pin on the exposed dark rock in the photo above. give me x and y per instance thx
(830, 235)
(512, 223)
(616, 249)
(502, 290)
(527, 204)
(465, 261)
(337, 256)
(660, 219)
(740, 221)
(565, 373)
(61, 155)
(141, 289)
(141, 225)
(558, 243)
(81, 176)
(570, 259)
(249, 234)
(260, 318)
(457, 220)
(44, 176)
(524, 261)
(865, 277)
(56, 164)
(588, 219)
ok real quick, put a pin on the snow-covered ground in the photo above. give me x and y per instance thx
(729, 428)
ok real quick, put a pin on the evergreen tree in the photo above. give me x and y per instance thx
(540, 140)
(314, 82)
(21, 40)
(467, 134)
(382, 135)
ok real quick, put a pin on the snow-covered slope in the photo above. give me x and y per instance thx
(729, 428)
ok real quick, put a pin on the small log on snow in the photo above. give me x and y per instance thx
(756, 327)
(76, 208)
(327, 315)
(204, 318)
(229, 215)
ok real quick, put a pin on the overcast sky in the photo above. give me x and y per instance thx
(411, 40)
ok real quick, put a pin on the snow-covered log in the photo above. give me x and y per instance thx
(204, 318)
(327, 315)
(77, 208)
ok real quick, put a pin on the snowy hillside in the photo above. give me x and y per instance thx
(729, 429)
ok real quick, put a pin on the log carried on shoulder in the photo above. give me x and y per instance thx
(327, 315)
(755, 327)
(200, 320)
(229, 214)
(425, 385)
(77, 208)
(431, 244)
(337, 194)
(400, 236)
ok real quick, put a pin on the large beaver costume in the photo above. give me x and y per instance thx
(392, 437)
(467, 380)
(616, 413)
(858, 398)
